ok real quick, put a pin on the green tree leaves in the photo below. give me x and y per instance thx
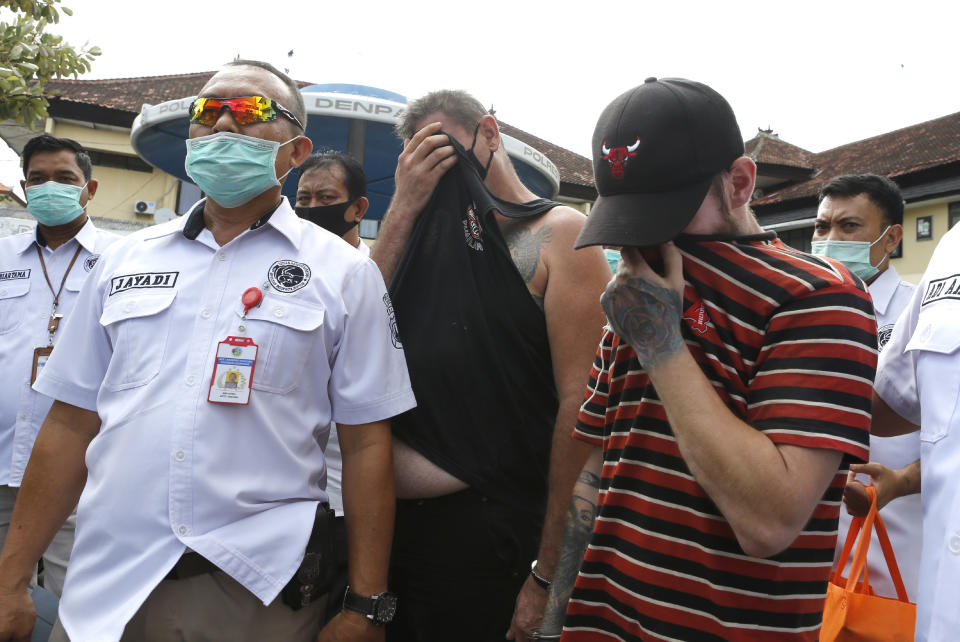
(29, 57)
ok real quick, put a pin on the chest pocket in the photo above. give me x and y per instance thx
(936, 342)
(13, 300)
(285, 330)
(139, 326)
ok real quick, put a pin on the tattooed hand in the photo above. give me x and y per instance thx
(645, 308)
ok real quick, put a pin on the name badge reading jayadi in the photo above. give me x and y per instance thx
(233, 371)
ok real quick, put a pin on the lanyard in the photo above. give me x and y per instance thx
(54, 316)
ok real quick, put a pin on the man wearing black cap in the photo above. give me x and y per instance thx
(728, 396)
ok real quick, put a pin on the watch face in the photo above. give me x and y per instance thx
(386, 608)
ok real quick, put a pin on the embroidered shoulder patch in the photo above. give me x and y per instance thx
(883, 336)
(946, 288)
(392, 322)
(288, 276)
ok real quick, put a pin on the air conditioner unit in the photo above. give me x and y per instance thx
(144, 207)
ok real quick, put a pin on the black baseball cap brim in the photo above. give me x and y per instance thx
(642, 219)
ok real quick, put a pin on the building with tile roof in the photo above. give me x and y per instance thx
(923, 159)
(100, 114)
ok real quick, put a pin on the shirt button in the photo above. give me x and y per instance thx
(191, 380)
(180, 455)
(278, 312)
(23, 417)
(3, 293)
(128, 307)
(955, 544)
(182, 529)
(205, 314)
(222, 256)
(927, 332)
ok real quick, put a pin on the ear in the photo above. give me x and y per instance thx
(92, 185)
(301, 149)
(23, 187)
(742, 178)
(893, 238)
(489, 133)
(360, 208)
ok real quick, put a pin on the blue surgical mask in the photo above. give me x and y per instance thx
(854, 254)
(613, 257)
(54, 203)
(232, 168)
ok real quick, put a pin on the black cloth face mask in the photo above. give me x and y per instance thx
(329, 217)
(474, 161)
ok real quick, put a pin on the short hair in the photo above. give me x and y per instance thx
(354, 179)
(47, 143)
(293, 100)
(880, 190)
(456, 104)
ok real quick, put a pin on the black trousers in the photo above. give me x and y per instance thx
(457, 565)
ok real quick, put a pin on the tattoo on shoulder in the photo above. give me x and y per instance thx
(525, 247)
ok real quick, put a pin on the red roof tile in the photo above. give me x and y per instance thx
(130, 94)
(897, 153)
(767, 147)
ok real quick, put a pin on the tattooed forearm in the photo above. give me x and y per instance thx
(576, 535)
(525, 247)
(646, 315)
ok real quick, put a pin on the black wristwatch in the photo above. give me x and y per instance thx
(379, 608)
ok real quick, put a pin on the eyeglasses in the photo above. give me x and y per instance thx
(245, 109)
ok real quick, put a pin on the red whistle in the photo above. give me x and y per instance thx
(251, 298)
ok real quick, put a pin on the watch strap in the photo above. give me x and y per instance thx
(367, 605)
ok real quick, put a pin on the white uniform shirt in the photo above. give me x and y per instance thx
(332, 451)
(904, 515)
(25, 306)
(919, 377)
(169, 470)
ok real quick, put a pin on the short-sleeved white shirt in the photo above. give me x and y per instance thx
(332, 451)
(169, 470)
(903, 516)
(919, 377)
(25, 306)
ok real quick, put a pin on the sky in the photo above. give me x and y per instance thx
(820, 74)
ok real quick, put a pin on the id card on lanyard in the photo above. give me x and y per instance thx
(233, 372)
(40, 355)
(236, 360)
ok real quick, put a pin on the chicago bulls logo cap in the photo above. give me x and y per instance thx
(656, 149)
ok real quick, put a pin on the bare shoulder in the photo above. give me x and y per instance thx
(565, 224)
(552, 234)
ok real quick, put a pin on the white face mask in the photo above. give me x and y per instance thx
(231, 168)
(854, 254)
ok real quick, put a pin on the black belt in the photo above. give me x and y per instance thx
(191, 564)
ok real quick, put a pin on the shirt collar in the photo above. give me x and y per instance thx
(882, 289)
(86, 237)
(282, 218)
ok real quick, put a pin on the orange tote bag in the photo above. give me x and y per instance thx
(852, 613)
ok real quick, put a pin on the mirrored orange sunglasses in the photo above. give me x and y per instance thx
(245, 109)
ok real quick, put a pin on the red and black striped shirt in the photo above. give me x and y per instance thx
(788, 341)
